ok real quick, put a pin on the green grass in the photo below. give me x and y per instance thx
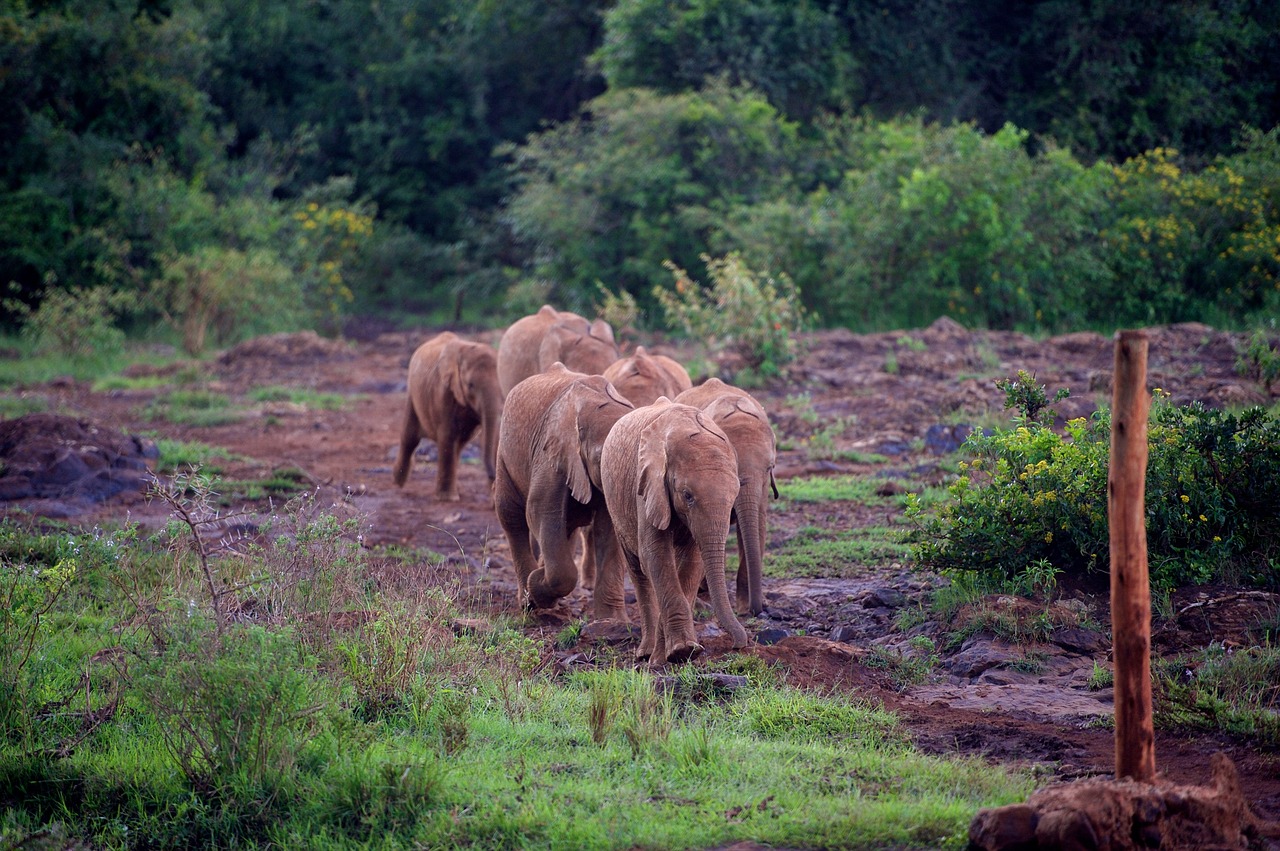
(282, 482)
(189, 455)
(845, 488)
(201, 408)
(299, 396)
(108, 383)
(818, 552)
(398, 733)
(14, 405)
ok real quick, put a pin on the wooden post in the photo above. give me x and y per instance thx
(1130, 585)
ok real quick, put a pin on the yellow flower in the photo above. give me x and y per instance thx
(1048, 537)
(1217, 539)
(1185, 498)
(1204, 519)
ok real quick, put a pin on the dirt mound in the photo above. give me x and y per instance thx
(281, 350)
(67, 463)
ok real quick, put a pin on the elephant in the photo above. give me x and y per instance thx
(453, 391)
(549, 484)
(643, 377)
(670, 480)
(535, 342)
(744, 420)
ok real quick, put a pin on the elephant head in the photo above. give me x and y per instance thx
(670, 480)
(534, 342)
(473, 383)
(746, 423)
(582, 346)
(643, 377)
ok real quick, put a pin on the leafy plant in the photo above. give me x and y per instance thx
(753, 315)
(1259, 359)
(77, 323)
(1030, 494)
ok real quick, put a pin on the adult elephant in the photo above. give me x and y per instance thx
(534, 343)
(746, 423)
(549, 484)
(670, 479)
(643, 377)
(453, 392)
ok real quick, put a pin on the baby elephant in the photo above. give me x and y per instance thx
(745, 422)
(549, 485)
(670, 480)
(643, 377)
(453, 391)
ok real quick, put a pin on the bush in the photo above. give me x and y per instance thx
(77, 323)
(1032, 494)
(751, 314)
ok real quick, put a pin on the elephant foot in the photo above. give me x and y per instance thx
(448, 497)
(683, 652)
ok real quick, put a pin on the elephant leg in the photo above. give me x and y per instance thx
(680, 573)
(608, 596)
(558, 575)
(647, 601)
(744, 576)
(410, 435)
(447, 470)
(511, 517)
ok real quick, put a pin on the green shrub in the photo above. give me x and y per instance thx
(751, 314)
(77, 323)
(1031, 496)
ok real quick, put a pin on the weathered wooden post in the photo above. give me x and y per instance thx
(1130, 585)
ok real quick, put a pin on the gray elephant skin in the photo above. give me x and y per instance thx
(549, 484)
(533, 343)
(745, 421)
(453, 392)
(670, 480)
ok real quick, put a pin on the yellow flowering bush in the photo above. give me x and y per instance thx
(1032, 493)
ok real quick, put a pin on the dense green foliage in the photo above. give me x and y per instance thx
(1032, 495)
(1044, 166)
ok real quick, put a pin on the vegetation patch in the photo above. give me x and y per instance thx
(820, 552)
(200, 408)
(300, 396)
(1030, 494)
(269, 695)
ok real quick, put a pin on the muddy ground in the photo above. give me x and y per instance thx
(847, 404)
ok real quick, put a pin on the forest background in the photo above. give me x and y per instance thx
(213, 169)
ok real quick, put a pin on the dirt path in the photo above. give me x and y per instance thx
(908, 396)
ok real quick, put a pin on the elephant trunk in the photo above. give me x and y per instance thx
(490, 424)
(710, 537)
(751, 532)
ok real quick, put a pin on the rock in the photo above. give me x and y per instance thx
(889, 598)
(979, 655)
(1087, 642)
(1125, 814)
(845, 633)
(944, 439)
(610, 632)
(1011, 828)
(772, 635)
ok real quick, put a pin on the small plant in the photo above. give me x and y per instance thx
(77, 323)
(1259, 360)
(906, 669)
(751, 314)
(891, 362)
(193, 407)
(1028, 398)
(619, 309)
(822, 443)
(1101, 677)
(570, 635)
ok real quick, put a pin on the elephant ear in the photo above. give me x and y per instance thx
(575, 465)
(722, 407)
(602, 330)
(452, 356)
(652, 489)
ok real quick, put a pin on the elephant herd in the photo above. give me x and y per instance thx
(652, 469)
